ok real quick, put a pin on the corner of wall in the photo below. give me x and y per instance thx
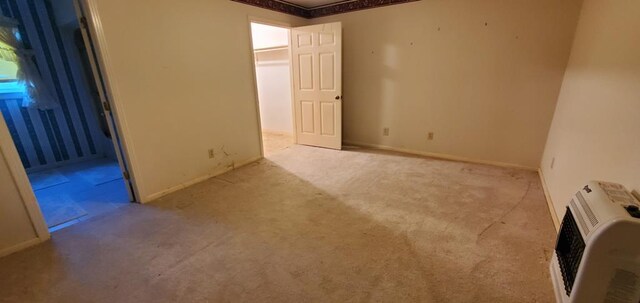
(550, 205)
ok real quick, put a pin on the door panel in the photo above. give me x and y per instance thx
(327, 38)
(307, 117)
(304, 39)
(327, 72)
(317, 74)
(306, 71)
(327, 115)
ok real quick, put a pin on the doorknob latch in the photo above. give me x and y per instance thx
(338, 97)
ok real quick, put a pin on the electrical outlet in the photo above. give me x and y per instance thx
(385, 131)
(430, 136)
(553, 162)
(212, 154)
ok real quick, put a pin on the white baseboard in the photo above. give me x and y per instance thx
(21, 246)
(440, 156)
(547, 195)
(191, 182)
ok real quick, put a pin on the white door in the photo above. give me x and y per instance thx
(317, 84)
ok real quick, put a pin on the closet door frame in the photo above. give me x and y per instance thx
(253, 19)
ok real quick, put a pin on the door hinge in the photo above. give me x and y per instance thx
(83, 22)
(125, 174)
(106, 106)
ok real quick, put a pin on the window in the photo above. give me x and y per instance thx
(8, 70)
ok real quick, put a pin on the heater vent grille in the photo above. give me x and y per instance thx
(569, 250)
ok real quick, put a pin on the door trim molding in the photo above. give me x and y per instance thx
(89, 9)
(321, 11)
(18, 247)
(9, 153)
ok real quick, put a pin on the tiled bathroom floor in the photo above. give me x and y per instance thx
(76, 192)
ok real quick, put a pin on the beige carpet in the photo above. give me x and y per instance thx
(274, 142)
(308, 225)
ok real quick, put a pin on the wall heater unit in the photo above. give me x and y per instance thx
(597, 256)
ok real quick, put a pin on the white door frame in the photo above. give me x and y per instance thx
(16, 169)
(109, 93)
(253, 19)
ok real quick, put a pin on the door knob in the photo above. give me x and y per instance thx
(337, 97)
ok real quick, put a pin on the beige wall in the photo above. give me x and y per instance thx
(183, 78)
(488, 92)
(595, 133)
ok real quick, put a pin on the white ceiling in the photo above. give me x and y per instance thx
(313, 3)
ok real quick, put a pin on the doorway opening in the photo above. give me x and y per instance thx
(273, 78)
(65, 139)
(299, 71)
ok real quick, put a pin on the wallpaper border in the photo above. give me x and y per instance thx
(322, 11)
